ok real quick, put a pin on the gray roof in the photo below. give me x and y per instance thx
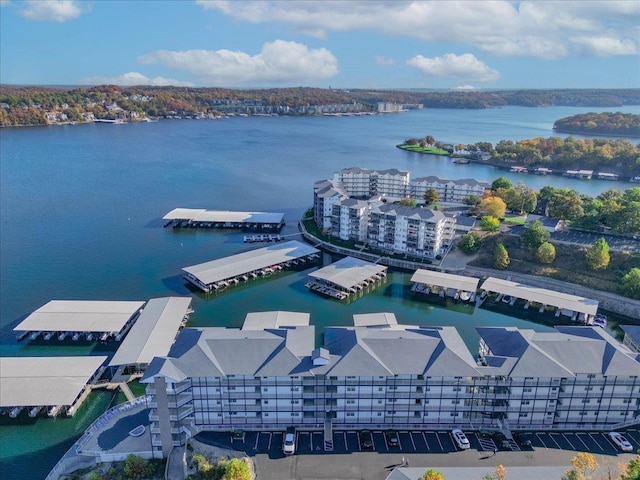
(541, 295)
(375, 351)
(348, 272)
(44, 381)
(411, 212)
(461, 181)
(229, 267)
(446, 280)
(372, 319)
(389, 171)
(154, 331)
(633, 331)
(566, 352)
(352, 202)
(218, 352)
(222, 216)
(276, 319)
(80, 316)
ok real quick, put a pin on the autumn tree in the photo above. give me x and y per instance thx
(237, 469)
(493, 206)
(500, 473)
(546, 253)
(501, 257)
(597, 255)
(584, 464)
(490, 224)
(431, 196)
(432, 474)
(631, 283)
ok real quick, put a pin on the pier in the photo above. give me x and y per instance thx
(345, 277)
(201, 218)
(220, 274)
(444, 285)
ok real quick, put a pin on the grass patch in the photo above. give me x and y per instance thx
(515, 220)
(419, 149)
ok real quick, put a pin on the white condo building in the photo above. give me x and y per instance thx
(325, 194)
(270, 376)
(418, 231)
(449, 191)
(361, 182)
(349, 219)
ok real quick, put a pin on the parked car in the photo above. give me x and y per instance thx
(289, 441)
(461, 439)
(392, 438)
(366, 440)
(621, 442)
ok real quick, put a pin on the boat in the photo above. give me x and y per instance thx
(21, 336)
(48, 335)
(506, 299)
(635, 179)
(34, 335)
(15, 412)
(465, 296)
(62, 335)
(138, 431)
(35, 411)
(75, 336)
(89, 336)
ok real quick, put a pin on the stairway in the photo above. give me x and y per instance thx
(328, 435)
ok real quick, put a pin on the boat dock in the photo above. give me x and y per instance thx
(346, 277)
(263, 238)
(201, 218)
(217, 275)
(80, 319)
(444, 285)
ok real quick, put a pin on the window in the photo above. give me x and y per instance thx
(527, 389)
(526, 402)
(380, 389)
(351, 389)
(585, 400)
(351, 402)
(524, 415)
(457, 389)
(295, 389)
(351, 414)
(232, 400)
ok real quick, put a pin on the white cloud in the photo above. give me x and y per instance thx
(380, 60)
(450, 65)
(605, 46)
(466, 87)
(51, 10)
(511, 28)
(279, 62)
(4, 2)
(134, 78)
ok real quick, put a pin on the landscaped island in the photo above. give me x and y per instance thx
(605, 123)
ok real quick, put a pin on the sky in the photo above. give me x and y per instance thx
(442, 44)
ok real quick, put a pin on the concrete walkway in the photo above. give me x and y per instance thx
(176, 464)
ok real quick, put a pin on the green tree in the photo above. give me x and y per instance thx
(493, 206)
(135, 467)
(632, 469)
(535, 234)
(501, 257)
(565, 204)
(470, 243)
(631, 283)
(407, 202)
(431, 196)
(501, 182)
(432, 474)
(490, 224)
(546, 253)
(237, 469)
(597, 255)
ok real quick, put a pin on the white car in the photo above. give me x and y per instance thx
(461, 439)
(289, 442)
(621, 442)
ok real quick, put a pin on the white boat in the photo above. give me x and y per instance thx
(465, 296)
(48, 335)
(89, 336)
(34, 411)
(62, 335)
(104, 336)
(34, 335)
(53, 411)
(75, 336)
(15, 412)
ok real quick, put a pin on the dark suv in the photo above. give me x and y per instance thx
(392, 438)
(366, 440)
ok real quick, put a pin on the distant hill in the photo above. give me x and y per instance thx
(606, 123)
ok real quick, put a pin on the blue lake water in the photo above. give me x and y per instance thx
(81, 208)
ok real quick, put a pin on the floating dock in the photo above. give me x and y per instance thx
(219, 274)
(444, 285)
(89, 320)
(345, 277)
(200, 218)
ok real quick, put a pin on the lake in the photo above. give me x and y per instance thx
(81, 219)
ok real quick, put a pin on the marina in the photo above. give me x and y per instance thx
(444, 284)
(53, 383)
(345, 277)
(90, 320)
(221, 273)
(200, 218)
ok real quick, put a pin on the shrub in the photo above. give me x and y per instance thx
(546, 253)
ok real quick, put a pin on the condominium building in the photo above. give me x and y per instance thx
(389, 376)
(450, 191)
(325, 194)
(349, 219)
(417, 231)
(361, 182)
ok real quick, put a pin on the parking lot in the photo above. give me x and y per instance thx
(415, 442)
(586, 238)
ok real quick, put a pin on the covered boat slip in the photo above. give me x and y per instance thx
(439, 283)
(93, 319)
(275, 319)
(578, 308)
(52, 382)
(153, 333)
(219, 274)
(345, 277)
(198, 217)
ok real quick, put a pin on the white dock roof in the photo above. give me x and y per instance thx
(541, 295)
(154, 331)
(223, 216)
(44, 381)
(277, 319)
(80, 316)
(446, 280)
(229, 267)
(374, 319)
(348, 272)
